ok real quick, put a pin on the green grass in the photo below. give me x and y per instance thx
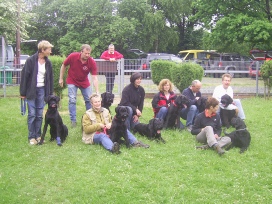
(174, 172)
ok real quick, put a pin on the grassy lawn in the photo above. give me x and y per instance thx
(174, 172)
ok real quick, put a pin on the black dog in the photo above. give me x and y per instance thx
(152, 130)
(225, 114)
(240, 137)
(201, 104)
(118, 127)
(172, 117)
(107, 100)
(58, 130)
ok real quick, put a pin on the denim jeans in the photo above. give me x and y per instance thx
(162, 113)
(105, 141)
(72, 94)
(129, 120)
(35, 114)
(189, 114)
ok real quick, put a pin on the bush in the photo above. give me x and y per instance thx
(266, 72)
(56, 64)
(161, 69)
(183, 74)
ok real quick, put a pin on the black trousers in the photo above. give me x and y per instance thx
(110, 76)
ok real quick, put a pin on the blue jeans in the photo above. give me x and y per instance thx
(72, 94)
(189, 114)
(162, 113)
(129, 120)
(35, 114)
(105, 141)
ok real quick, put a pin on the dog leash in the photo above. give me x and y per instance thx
(23, 106)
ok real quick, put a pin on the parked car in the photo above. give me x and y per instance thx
(145, 62)
(228, 62)
(253, 66)
(23, 59)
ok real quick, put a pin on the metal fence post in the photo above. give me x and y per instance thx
(257, 78)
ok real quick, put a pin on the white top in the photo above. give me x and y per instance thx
(220, 91)
(40, 75)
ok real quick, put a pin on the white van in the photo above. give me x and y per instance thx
(6, 53)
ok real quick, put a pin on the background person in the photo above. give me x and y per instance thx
(161, 101)
(225, 88)
(193, 94)
(133, 97)
(81, 64)
(207, 127)
(111, 55)
(36, 84)
(95, 120)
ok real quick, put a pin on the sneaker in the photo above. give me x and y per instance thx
(140, 144)
(73, 124)
(189, 128)
(115, 148)
(218, 149)
(33, 141)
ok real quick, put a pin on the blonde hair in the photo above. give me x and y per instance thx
(163, 82)
(43, 45)
(94, 96)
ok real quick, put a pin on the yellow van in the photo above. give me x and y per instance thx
(194, 55)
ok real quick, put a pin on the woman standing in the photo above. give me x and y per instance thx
(36, 84)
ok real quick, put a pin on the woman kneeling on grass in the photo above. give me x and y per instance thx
(95, 120)
(207, 128)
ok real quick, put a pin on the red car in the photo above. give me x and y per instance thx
(259, 56)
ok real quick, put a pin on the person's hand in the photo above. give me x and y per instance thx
(216, 136)
(23, 97)
(102, 125)
(138, 112)
(197, 98)
(135, 118)
(61, 82)
(108, 126)
(112, 59)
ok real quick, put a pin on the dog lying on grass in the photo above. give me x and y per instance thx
(172, 118)
(58, 130)
(152, 130)
(226, 113)
(240, 137)
(118, 127)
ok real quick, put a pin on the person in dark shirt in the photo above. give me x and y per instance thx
(133, 97)
(193, 94)
(207, 128)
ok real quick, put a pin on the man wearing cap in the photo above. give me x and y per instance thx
(133, 97)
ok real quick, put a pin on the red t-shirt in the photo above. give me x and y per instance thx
(106, 55)
(78, 72)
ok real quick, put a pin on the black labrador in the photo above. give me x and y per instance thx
(107, 99)
(172, 118)
(58, 130)
(201, 103)
(225, 114)
(118, 127)
(152, 130)
(240, 137)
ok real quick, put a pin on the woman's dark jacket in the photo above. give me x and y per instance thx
(29, 74)
(133, 97)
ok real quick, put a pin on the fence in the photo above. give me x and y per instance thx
(118, 74)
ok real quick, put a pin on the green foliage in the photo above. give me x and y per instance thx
(56, 64)
(266, 72)
(183, 74)
(161, 69)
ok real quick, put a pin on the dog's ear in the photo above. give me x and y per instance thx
(48, 98)
(117, 109)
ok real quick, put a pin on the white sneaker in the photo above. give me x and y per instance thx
(33, 141)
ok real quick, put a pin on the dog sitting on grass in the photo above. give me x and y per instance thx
(107, 100)
(58, 130)
(226, 111)
(240, 137)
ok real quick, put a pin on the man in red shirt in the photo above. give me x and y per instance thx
(112, 56)
(81, 64)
